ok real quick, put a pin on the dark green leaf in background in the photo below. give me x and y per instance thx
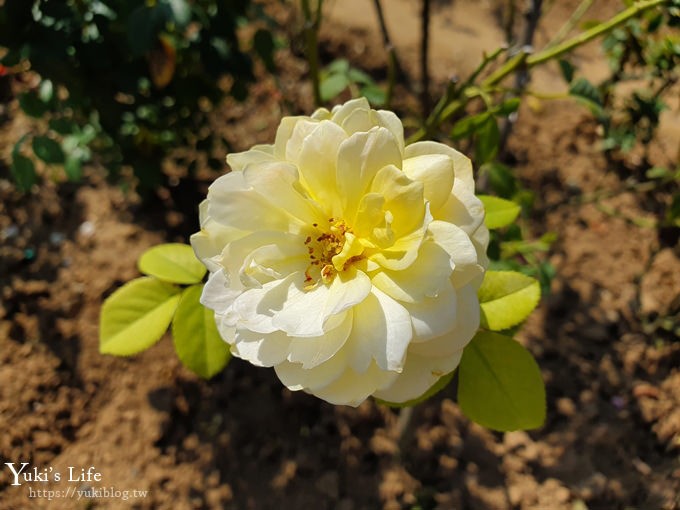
(23, 172)
(48, 150)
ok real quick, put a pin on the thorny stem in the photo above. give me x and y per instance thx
(311, 30)
(509, 27)
(424, 57)
(532, 15)
(394, 68)
(459, 101)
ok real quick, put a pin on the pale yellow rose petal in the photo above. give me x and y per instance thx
(257, 154)
(262, 350)
(312, 351)
(425, 278)
(381, 332)
(462, 166)
(353, 388)
(467, 323)
(360, 158)
(419, 375)
(435, 172)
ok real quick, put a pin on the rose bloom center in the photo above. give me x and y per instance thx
(331, 250)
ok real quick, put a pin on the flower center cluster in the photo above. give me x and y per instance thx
(330, 252)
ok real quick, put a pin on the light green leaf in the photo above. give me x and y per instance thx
(135, 316)
(73, 169)
(172, 262)
(332, 85)
(194, 333)
(375, 95)
(441, 383)
(507, 298)
(499, 212)
(500, 385)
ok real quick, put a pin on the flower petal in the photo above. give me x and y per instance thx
(312, 351)
(381, 331)
(467, 323)
(462, 166)
(262, 350)
(256, 252)
(420, 373)
(460, 248)
(317, 163)
(305, 312)
(425, 278)
(295, 378)
(217, 293)
(279, 183)
(353, 388)
(404, 199)
(435, 172)
(212, 238)
(433, 317)
(232, 202)
(390, 121)
(256, 154)
(462, 208)
(359, 159)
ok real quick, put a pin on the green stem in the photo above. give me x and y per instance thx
(596, 31)
(571, 22)
(311, 30)
(458, 103)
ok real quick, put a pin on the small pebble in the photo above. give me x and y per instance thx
(87, 229)
(56, 238)
(10, 232)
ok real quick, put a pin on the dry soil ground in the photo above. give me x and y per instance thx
(241, 441)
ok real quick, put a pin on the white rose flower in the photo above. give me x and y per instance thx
(345, 260)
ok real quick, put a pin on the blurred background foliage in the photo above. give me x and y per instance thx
(126, 81)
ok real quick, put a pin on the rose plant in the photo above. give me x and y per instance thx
(351, 263)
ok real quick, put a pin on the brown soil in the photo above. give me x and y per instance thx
(242, 441)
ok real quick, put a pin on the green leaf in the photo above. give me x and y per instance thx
(48, 150)
(173, 262)
(23, 172)
(567, 70)
(375, 95)
(466, 126)
(332, 85)
(358, 76)
(499, 212)
(501, 178)
(263, 42)
(587, 93)
(46, 91)
(142, 27)
(194, 333)
(135, 316)
(63, 126)
(507, 107)
(181, 11)
(487, 140)
(507, 298)
(73, 169)
(31, 104)
(340, 66)
(438, 386)
(500, 385)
